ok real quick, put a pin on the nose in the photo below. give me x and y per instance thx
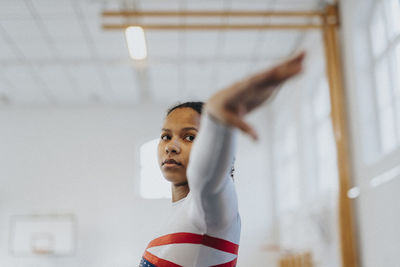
(173, 147)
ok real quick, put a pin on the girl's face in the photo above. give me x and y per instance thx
(177, 135)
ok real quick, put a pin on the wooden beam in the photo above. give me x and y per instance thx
(206, 27)
(212, 13)
(221, 14)
(340, 126)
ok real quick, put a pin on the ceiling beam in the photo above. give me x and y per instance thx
(203, 27)
(125, 13)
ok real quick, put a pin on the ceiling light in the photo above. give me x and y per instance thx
(136, 42)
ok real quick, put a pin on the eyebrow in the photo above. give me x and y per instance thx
(184, 129)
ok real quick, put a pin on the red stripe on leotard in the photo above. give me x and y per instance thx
(220, 244)
(190, 238)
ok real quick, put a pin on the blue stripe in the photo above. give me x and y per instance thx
(145, 263)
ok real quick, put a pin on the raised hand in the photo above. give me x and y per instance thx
(230, 105)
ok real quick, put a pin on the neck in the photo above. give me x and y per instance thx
(179, 191)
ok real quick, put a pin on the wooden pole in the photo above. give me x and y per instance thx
(205, 27)
(211, 13)
(220, 14)
(339, 121)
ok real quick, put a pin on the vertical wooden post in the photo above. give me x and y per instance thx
(339, 121)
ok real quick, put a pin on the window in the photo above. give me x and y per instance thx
(397, 87)
(305, 149)
(384, 30)
(324, 138)
(288, 186)
(318, 148)
(152, 183)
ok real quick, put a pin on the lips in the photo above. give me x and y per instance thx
(171, 161)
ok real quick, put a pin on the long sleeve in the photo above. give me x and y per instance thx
(214, 200)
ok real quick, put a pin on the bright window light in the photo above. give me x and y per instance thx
(393, 14)
(289, 187)
(397, 70)
(353, 192)
(324, 138)
(384, 29)
(136, 42)
(152, 183)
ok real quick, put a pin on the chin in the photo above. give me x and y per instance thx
(175, 178)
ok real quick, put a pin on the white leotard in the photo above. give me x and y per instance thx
(204, 228)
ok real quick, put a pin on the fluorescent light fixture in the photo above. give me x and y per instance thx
(136, 42)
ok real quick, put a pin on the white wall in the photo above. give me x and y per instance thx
(81, 162)
(378, 216)
(85, 161)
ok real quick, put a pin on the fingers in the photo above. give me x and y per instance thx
(289, 68)
(242, 125)
(233, 103)
(238, 122)
(279, 73)
(298, 58)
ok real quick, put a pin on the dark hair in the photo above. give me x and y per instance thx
(197, 106)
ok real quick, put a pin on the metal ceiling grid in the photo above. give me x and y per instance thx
(58, 54)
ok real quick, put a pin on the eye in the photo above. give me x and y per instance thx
(189, 138)
(165, 137)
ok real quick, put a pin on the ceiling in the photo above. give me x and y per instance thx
(55, 53)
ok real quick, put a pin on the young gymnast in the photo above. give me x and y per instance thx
(204, 227)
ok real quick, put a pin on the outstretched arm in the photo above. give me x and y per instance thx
(211, 159)
(233, 103)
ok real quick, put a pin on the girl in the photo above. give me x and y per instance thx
(204, 227)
